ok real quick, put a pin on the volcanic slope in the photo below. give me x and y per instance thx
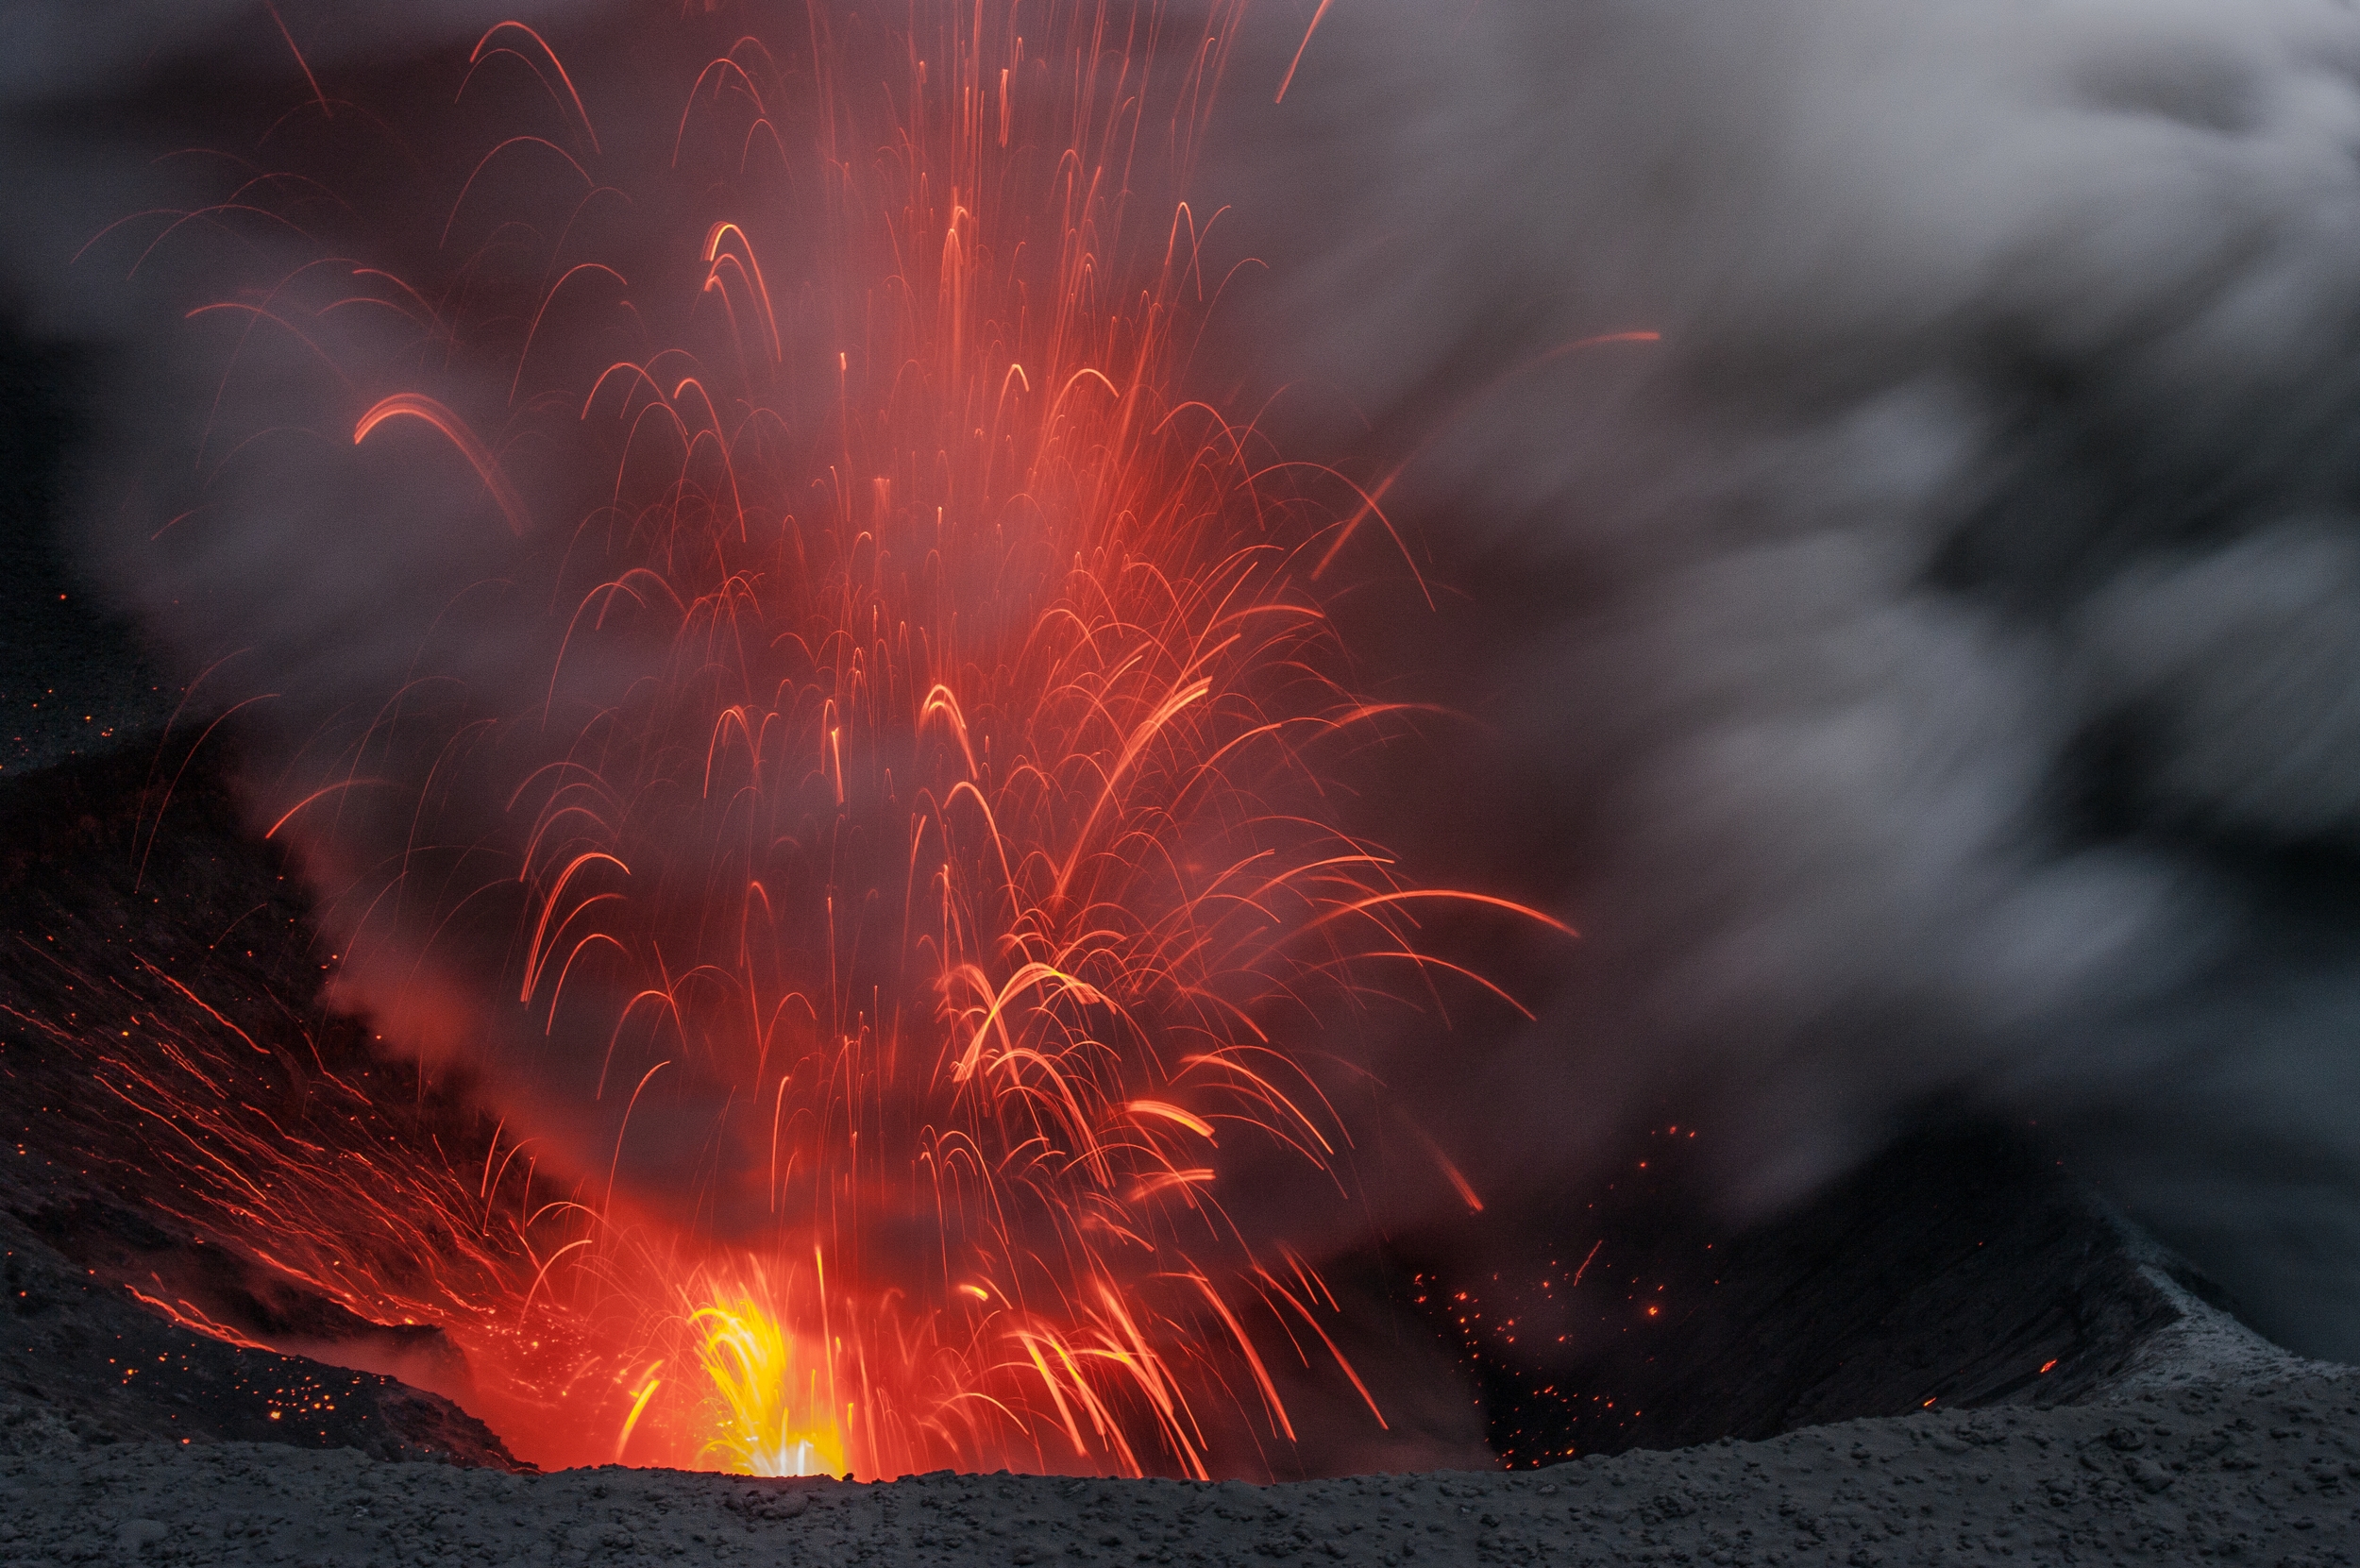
(2267, 1473)
(83, 1368)
(100, 915)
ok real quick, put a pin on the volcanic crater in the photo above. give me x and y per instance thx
(1963, 1344)
(219, 1181)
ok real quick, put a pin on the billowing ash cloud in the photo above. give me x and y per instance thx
(1931, 675)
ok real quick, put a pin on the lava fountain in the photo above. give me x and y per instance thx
(884, 857)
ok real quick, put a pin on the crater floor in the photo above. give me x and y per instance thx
(2266, 1471)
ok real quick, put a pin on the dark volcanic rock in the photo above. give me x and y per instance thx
(1959, 1271)
(81, 1358)
(142, 931)
(125, 1247)
(2262, 1475)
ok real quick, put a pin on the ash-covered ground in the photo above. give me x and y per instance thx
(2262, 1473)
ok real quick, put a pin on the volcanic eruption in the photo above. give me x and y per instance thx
(941, 681)
(778, 689)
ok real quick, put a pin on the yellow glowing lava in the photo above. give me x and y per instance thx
(777, 1421)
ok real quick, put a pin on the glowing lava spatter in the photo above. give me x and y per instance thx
(920, 813)
(778, 1394)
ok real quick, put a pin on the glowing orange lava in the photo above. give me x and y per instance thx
(922, 816)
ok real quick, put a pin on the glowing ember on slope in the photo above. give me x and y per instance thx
(915, 853)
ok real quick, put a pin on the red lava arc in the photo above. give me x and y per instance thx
(922, 813)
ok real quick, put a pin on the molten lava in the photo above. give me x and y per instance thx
(916, 867)
(777, 1394)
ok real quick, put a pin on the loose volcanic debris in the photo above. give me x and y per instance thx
(80, 1362)
(2254, 1474)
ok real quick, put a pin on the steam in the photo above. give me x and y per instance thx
(1933, 684)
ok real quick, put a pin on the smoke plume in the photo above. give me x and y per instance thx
(1927, 674)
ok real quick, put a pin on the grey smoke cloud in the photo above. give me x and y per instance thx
(1937, 660)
